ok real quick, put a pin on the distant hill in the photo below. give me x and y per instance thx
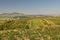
(11, 14)
(15, 14)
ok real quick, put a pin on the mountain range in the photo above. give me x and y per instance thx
(11, 14)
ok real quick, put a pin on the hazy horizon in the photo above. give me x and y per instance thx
(31, 7)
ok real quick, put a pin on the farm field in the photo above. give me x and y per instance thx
(30, 28)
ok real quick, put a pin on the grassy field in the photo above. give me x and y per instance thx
(30, 28)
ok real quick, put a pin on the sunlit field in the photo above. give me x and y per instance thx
(30, 28)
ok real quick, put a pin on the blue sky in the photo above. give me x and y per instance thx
(32, 7)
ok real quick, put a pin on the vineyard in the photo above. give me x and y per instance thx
(30, 28)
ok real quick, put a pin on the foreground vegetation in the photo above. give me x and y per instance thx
(30, 28)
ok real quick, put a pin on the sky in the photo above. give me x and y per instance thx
(31, 7)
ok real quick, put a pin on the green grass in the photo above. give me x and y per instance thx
(32, 28)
